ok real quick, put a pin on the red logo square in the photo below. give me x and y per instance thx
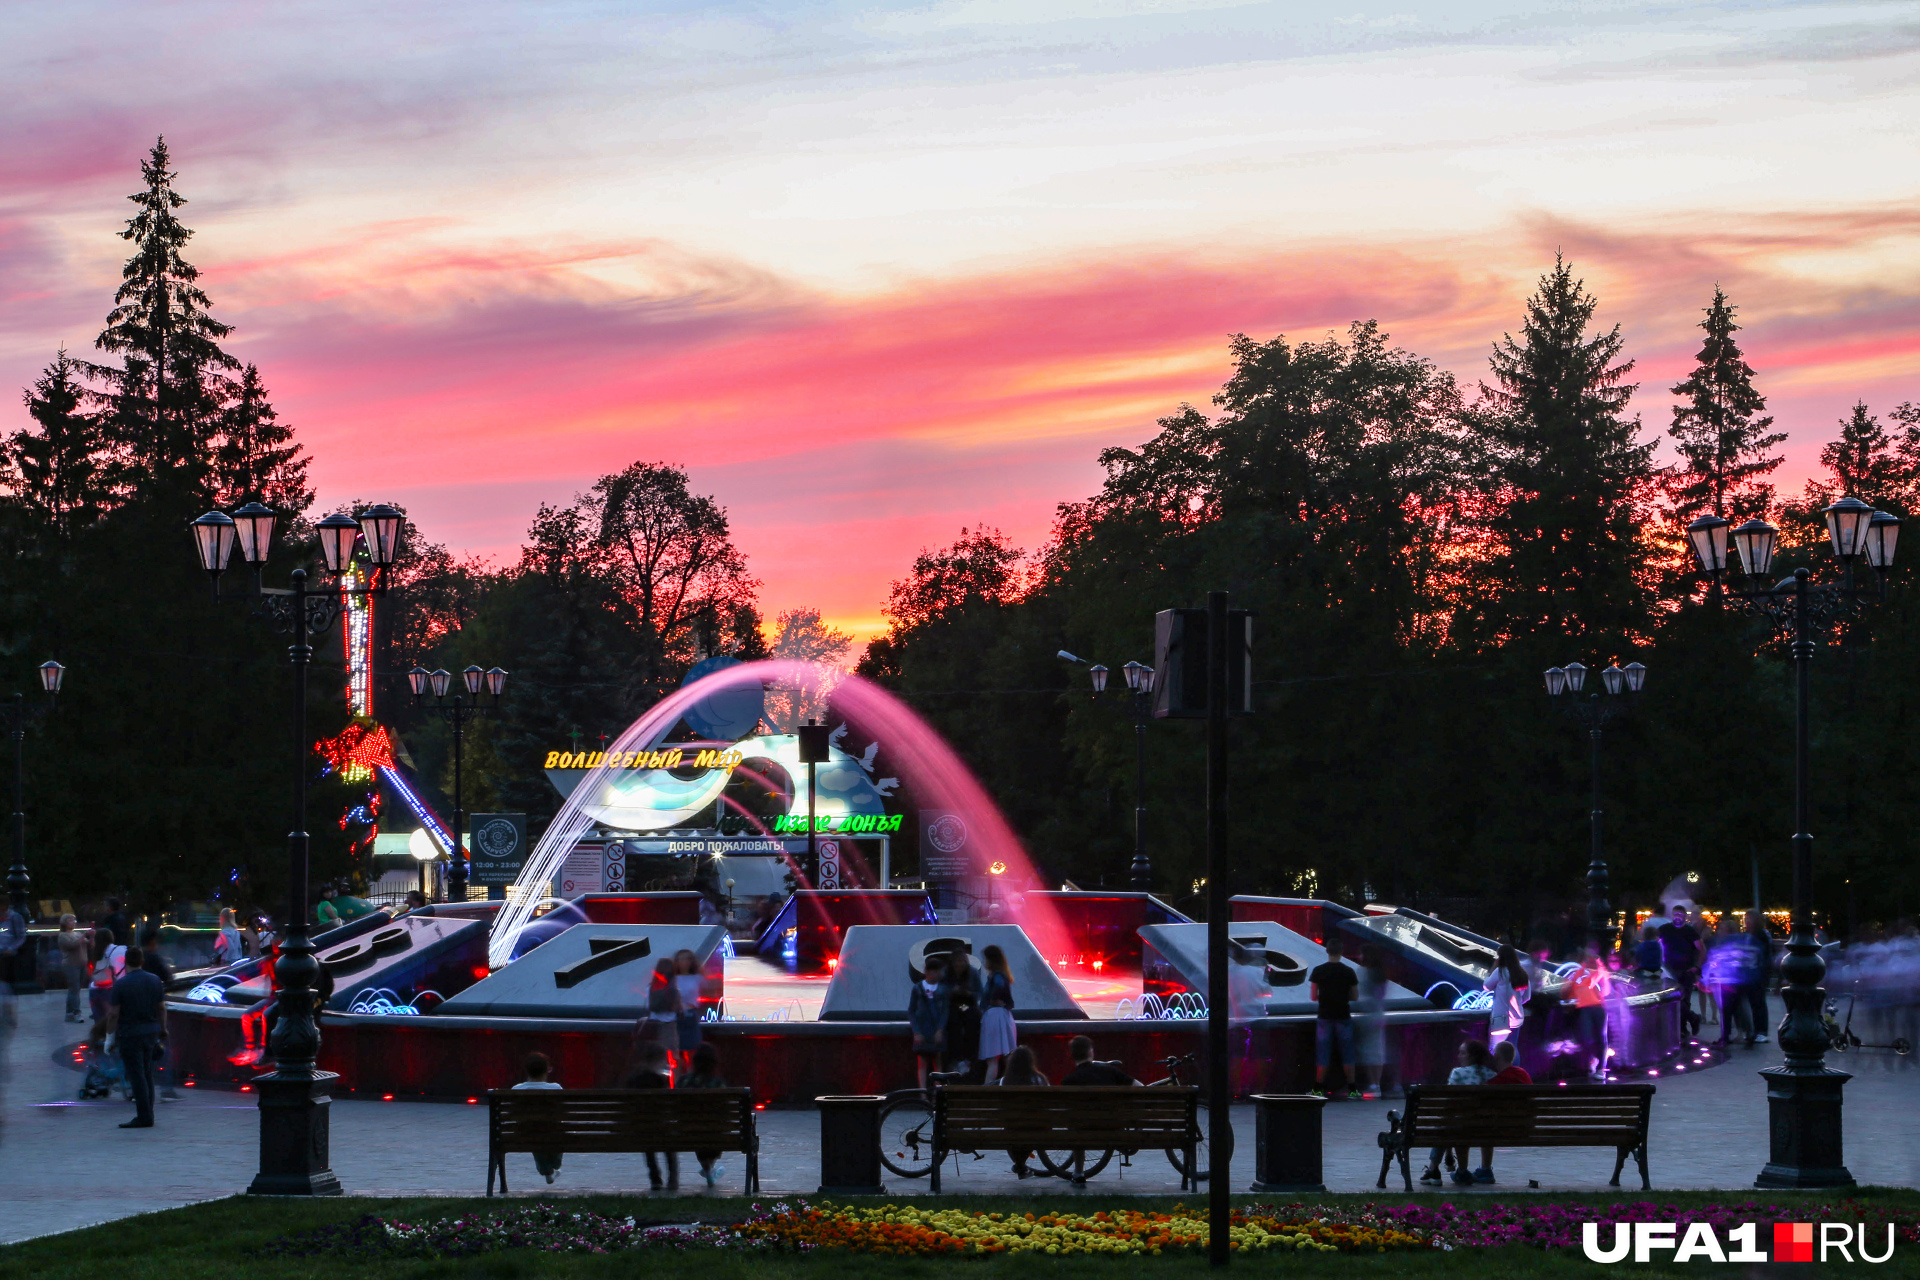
(1793, 1242)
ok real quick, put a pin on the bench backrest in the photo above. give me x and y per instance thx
(620, 1119)
(1534, 1115)
(1089, 1116)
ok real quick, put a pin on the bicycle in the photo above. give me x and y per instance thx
(906, 1127)
(1078, 1166)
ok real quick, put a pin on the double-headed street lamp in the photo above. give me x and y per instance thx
(458, 712)
(1803, 1096)
(1140, 685)
(19, 716)
(1595, 711)
(294, 1099)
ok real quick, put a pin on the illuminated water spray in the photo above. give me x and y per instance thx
(629, 770)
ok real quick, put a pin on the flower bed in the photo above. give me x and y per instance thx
(908, 1231)
(1549, 1225)
(905, 1230)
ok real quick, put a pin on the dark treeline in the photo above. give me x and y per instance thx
(1417, 553)
(168, 772)
(1416, 556)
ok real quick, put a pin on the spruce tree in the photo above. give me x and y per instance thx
(1569, 474)
(167, 397)
(257, 458)
(58, 473)
(1724, 445)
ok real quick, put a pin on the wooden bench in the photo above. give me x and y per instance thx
(1521, 1115)
(558, 1121)
(1067, 1118)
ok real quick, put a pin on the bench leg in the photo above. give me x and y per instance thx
(1386, 1163)
(1640, 1157)
(1406, 1168)
(1619, 1163)
(491, 1160)
(939, 1158)
(753, 1171)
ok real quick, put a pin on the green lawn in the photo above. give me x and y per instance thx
(228, 1238)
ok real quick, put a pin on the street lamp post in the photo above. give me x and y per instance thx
(1803, 1095)
(458, 713)
(1139, 678)
(19, 715)
(1594, 711)
(295, 1097)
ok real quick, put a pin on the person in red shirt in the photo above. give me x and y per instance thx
(1506, 1071)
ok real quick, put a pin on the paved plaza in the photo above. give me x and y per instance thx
(65, 1163)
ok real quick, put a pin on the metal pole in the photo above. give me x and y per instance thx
(1803, 1038)
(1803, 1096)
(1599, 911)
(18, 881)
(1219, 1080)
(813, 839)
(294, 1099)
(457, 873)
(296, 1037)
(1142, 866)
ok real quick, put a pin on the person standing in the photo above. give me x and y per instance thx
(137, 1019)
(963, 1013)
(109, 964)
(226, 946)
(13, 940)
(1331, 986)
(115, 923)
(73, 963)
(704, 1073)
(1756, 991)
(156, 964)
(927, 1016)
(998, 1036)
(1680, 954)
(1370, 1028)
(547, 1165)
(687, 980)
(656, 1073)
(1592, 984)
(1508, 983)
(662, 1023)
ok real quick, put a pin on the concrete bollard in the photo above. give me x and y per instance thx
(1286, 1143)
(850, 1145)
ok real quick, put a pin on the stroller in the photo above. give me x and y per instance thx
(105, 1073)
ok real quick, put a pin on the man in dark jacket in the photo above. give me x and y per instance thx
(137, 1019)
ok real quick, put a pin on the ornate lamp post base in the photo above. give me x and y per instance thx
(1803, 1124)
(295, 1115)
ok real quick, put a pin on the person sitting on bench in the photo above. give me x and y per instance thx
(1088, 1071)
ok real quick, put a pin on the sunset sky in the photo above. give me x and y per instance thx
(874, 272)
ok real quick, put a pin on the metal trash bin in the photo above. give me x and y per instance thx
(1286, 1156)
(850, 1145)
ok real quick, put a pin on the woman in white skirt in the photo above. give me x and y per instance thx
(997, 1037)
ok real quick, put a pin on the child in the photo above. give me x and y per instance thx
(706, 1075)
(927, 1016)
(537, 1069)
(1505, 1071)
(654, 1074)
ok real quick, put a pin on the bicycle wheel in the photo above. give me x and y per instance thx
(906, 1136)
(1062, 1164)
(1203, 1158)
